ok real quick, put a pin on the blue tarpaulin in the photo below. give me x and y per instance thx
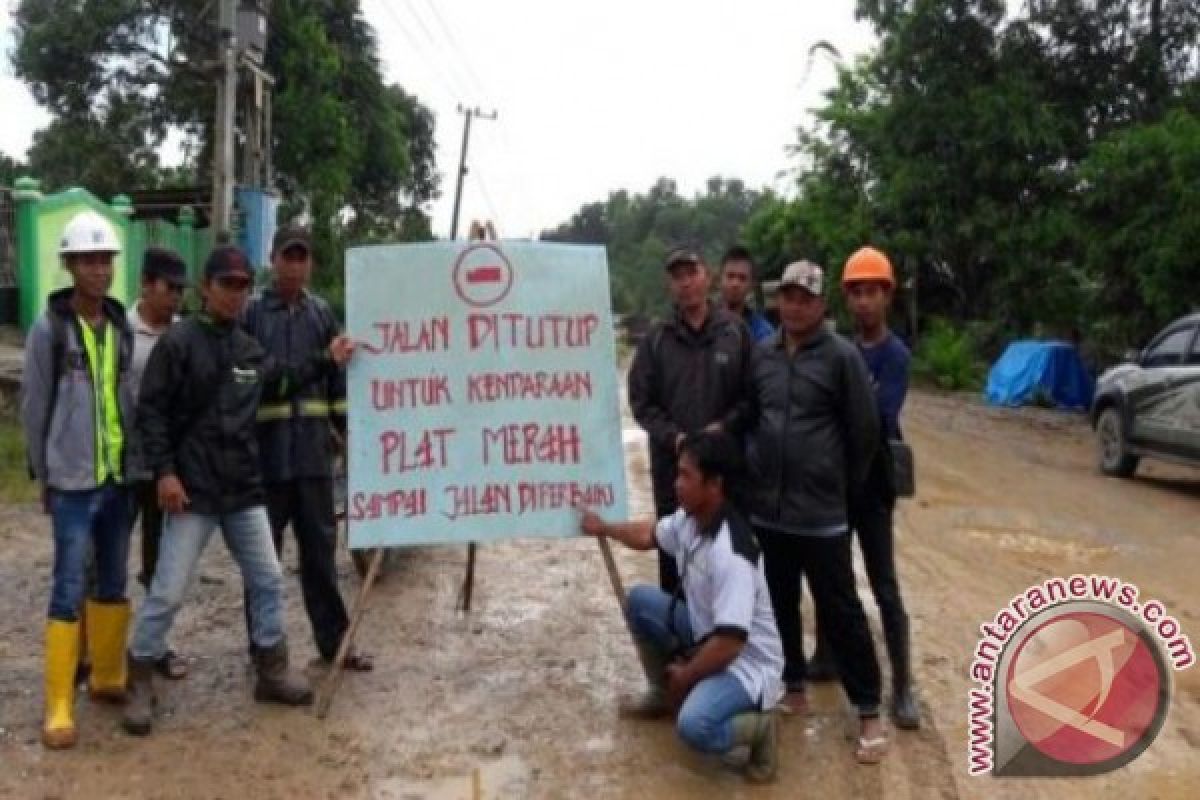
(1032, 372)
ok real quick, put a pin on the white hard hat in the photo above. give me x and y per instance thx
(89, 232)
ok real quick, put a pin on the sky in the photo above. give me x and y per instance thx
(590, 97)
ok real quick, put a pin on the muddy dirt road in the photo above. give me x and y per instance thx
(518, 700)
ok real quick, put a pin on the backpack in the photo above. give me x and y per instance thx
(58, 356)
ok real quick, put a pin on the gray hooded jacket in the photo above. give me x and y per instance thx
(58, 405)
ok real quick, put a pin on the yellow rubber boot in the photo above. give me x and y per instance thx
(62, 654)
(107, 627)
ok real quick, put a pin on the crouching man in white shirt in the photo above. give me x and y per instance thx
(712, 655)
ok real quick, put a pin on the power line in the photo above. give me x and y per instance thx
(506, 141)
(442, 79)
(466, 62)
(460, 83)
(456, 69)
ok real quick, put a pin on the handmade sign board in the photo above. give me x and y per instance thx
(483, 392)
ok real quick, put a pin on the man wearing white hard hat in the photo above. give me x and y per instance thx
(76, 402)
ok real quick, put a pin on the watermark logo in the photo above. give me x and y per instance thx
(1073, 677)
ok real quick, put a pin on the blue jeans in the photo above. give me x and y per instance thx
(96, 520)
(706, 720)
(247, 534)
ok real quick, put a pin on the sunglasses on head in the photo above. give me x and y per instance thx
(233, 282)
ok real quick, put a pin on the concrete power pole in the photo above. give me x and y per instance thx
(223, 146)
(468, 114)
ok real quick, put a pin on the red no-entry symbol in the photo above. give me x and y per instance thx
(483, 275)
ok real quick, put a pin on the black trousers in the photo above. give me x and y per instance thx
(668, 572)
(307, 505)
(871, 519)
(827, 562)
(145, 506)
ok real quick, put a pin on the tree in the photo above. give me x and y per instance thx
(108, 154)
(981, 152)
(10, 170)
(119, 74)
(1140, 201)
(639, 229)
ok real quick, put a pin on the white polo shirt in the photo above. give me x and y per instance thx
(144, 339)
(726, 589)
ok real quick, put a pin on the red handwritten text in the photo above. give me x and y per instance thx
(522, 331)
(401, 452)
(400, 503)
(472, 501)
(406, 336)
(543, 495)
(489, 387)
(388, 395)
(532, 443)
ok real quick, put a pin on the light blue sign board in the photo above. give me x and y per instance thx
(483, 394)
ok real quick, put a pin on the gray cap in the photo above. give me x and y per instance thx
(805, 275)
(681, 255)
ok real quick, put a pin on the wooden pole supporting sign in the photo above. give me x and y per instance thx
(334, 678)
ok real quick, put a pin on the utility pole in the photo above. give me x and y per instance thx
(468, 114)
(223, 155)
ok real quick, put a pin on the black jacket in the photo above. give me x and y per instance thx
(682, 380)
(294, 434)
(815, 435)
(197, 408)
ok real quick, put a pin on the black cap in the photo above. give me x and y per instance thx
(159, 262)
(681, 255)
(227, 259)
(291, 236)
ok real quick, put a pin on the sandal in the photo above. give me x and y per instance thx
(358, 662)
(172, 666)
(871, 751)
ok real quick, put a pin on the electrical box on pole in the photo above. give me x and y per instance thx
(244, 91)
(252, 28)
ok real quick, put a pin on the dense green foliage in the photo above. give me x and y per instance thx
(948, 358)
(639, 229)
(1037, 174)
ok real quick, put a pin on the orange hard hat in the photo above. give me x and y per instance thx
(868, 264)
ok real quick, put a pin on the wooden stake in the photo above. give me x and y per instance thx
(334, 678)
(464, 596)
(618, 587)
(614, 577)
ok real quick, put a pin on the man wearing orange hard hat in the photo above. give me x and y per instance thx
(868, 284)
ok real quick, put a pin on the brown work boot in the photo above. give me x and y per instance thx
(651, 704)
(139, 703)
(274, 684)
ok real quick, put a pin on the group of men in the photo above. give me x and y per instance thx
(769, 450)
(223, 419)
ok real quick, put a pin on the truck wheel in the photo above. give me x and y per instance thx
(1114, 458)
